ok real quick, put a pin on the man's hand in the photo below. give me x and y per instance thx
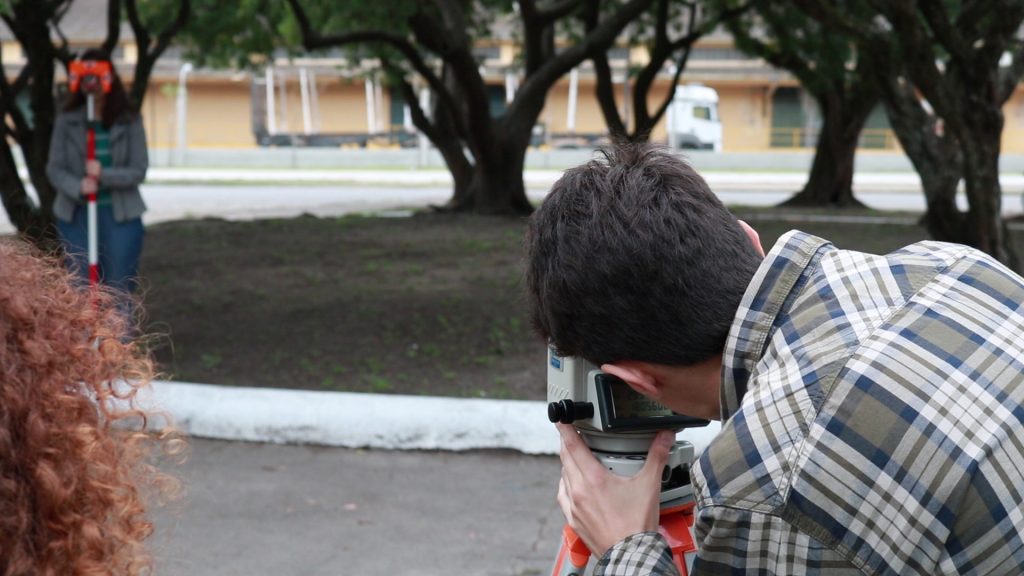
(604, 508)
(93, 169)
(88, 186)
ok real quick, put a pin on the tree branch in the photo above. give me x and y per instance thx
(603, 88)
(537, 85)
(824, 11)
(113, 26)
(150, 51)
(945, 33)
(558, 10)
(142, 37)
(449, 40)
(313, 40)
(419, 116)
(659, 54)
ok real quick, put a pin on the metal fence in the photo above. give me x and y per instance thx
(870, 138)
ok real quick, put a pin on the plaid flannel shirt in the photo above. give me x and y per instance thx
(873, 411)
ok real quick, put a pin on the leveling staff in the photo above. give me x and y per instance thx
(872, 406)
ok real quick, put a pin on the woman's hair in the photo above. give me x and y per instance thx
(116, 104)
(74, 451)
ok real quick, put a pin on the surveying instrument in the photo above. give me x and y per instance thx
(619, 425)
(88, 76)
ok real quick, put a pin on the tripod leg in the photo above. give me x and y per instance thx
(573, 555)
(675, 526)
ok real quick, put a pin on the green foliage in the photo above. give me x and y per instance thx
(241, 33)
(245, 33)
(787, 38)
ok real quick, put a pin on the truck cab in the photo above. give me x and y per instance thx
(693, 121)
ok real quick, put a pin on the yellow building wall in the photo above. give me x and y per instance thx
(589, 119)
(746, 117)
(1013, 124)
(219, 112)
(218, 115)
(342, 106)
(158, 115)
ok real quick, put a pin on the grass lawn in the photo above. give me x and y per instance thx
(431, 304)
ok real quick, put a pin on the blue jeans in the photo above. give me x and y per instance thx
(120, 244)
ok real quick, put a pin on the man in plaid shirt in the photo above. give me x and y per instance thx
(872, 406)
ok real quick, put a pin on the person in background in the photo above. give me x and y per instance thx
(76, 471)
(120, 167)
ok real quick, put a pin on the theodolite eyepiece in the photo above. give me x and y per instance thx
(567, 411)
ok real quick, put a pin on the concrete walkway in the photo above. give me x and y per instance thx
(428, 499)
(268, 510)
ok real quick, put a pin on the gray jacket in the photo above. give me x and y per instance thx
(66, 167)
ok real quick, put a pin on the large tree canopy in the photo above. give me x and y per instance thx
(431, 45)
(828, 67)
(949, 66)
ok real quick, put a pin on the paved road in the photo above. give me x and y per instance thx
(258, 509)
(282, 193)
(174, 202)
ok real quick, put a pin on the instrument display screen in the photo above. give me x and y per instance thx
(628, 403)
(624, 409)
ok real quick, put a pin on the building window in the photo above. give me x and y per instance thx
(496, 98)
(482, 53)
(718, 53)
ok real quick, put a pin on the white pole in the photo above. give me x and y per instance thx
(574, 80)
(511, 85)
(271, 110)
(382, 119)
(423, 141)
(284, 103)
(92, 224)
(182, 111)
(626, 113)
(371, 108)
(670, 119)
(315, 103)
(307, 120)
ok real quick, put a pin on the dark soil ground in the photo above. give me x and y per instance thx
(430, 304)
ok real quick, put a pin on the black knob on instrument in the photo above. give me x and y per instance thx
(567, 411)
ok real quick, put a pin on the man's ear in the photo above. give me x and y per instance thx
(638, 375)
(754, 237)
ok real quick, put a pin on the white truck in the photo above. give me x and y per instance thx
(693, 118)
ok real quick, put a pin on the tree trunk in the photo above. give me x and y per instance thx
(984, 194)
(831, 179)
(496, 187)
(26, 218)
(460, 168)
(36, 223)
(934, 153)
(936, 158)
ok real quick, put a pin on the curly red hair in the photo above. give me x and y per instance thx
(73, 444)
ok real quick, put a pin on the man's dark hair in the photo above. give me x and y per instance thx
(632, 257)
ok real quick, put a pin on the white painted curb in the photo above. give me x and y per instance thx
(354, 420)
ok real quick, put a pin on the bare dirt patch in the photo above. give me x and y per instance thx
(430, 304)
